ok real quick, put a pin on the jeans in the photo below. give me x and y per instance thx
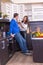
(23, 33)
(22, 42)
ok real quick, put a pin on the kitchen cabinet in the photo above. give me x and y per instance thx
(7, 50)
(37, 49)
(3, 52)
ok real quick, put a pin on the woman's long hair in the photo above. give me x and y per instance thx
(26, 19)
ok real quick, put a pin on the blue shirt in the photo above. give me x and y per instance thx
(14, 28)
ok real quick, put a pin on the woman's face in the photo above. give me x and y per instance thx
(25, 19)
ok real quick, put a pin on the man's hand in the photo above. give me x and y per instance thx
(12, 35)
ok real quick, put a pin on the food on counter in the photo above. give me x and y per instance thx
(37, 34)
(41, 34)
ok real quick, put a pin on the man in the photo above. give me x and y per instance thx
(15, 32)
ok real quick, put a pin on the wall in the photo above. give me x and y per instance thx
(23, 9)
(27, 1)
(0, 5)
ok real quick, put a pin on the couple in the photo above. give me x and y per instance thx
(15, 32)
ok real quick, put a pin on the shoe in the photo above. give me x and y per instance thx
(28, 53)
(31, 51)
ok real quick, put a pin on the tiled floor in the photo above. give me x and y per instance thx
(20, 59)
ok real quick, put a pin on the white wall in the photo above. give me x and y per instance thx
(10, 9)
(22, 9)
(27, 1)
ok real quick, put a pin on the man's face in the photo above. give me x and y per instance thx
(17, 18)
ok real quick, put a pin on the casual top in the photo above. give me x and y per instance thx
(25, 26)
(14, 28)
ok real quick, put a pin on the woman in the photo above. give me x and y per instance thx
(25, 22)
(24, 27)
(25, 30)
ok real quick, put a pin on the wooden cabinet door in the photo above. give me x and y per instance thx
(4, 52)
(0, 52)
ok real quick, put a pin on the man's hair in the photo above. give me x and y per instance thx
(15, 14)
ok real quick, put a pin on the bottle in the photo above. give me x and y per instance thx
(4, 34)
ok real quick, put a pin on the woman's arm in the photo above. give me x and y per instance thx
(20, 24)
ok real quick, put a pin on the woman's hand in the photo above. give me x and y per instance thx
(28, 30)
(20, 25)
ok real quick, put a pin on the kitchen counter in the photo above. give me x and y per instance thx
(36, 38)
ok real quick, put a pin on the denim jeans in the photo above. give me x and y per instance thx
(22, 42)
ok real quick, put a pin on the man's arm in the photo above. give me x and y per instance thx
(11, 29)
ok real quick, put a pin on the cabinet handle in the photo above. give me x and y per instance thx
(3, 43)
(8, 40)
(7, 45)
